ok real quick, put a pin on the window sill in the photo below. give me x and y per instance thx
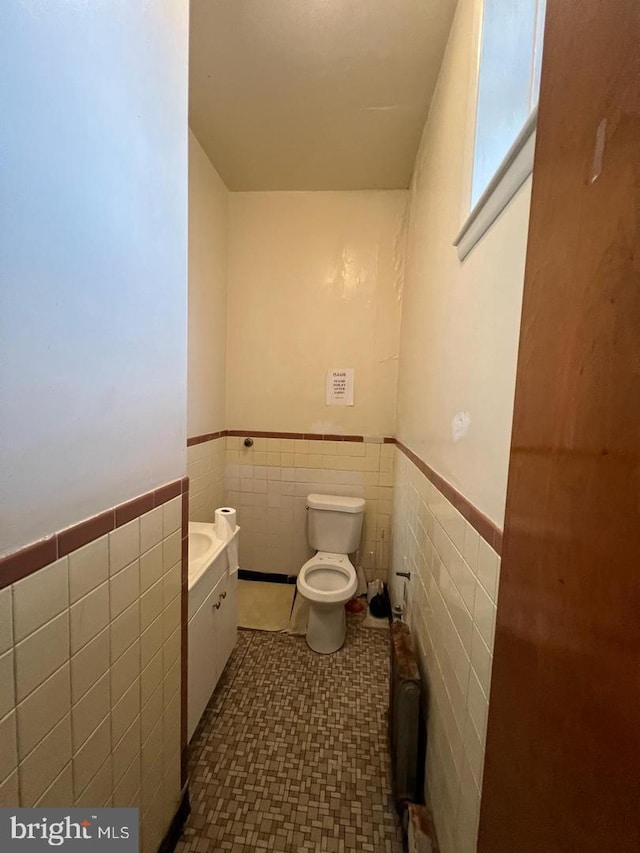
(511, 174)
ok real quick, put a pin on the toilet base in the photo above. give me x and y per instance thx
(327, 628)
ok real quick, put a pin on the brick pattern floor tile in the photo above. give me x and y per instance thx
(291, 753)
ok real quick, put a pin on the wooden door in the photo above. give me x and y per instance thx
(562, 771)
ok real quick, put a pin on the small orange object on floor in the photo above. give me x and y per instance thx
(354, 606)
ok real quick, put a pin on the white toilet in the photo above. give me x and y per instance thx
(328, 580)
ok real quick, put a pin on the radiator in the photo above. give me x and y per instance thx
(406, 722)
(421, 836)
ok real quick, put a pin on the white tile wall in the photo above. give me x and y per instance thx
(89, 649)
(205, 464)
(36, 601)
(6, 620)
(125, 629)
(269, 483)
(40, 768)
(7, 683)
(60, 790)
(54, 694)
(88, 568)
(9, 790)
(89, 664)
(40, 654)
(150, 530)
(8, 745)
(451, 606)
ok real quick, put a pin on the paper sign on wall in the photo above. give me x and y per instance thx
(340, 387)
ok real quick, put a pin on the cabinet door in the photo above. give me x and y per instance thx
(228, 624)
(204, 656)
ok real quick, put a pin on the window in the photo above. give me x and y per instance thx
(508, 84)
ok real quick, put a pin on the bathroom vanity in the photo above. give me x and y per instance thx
(213, 614)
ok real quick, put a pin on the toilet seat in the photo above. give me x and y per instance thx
(328, 578)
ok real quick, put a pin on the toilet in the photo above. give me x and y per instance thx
(328, 580)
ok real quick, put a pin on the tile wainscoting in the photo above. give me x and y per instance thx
(91, 657)
(205, 466)
(451, 609)
(269, 483)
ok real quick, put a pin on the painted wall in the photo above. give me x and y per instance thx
(94, 246)
(314, 284)
(207, 336)
(458, 347)
(460, 321)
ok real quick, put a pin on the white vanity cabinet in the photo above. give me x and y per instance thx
(213, 631)
(228, 620)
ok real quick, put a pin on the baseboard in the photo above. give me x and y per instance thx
(174, 832)
(265, 577)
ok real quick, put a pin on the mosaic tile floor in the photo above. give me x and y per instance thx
(291, 753)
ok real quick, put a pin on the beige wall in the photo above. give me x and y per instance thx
(460, 321)
(459, 336)
(314, 284)
(207, 335)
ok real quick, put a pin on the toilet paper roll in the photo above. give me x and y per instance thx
(225, 521)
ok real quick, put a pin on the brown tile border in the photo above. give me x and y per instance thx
(266, 434)
(135, 508)
(185, 512)
(260, 433)
(329, 437)
(308, 436)
(20, 564)
(86, 531)
(208, 436)
(184, 633)
(167, 493)
(489, 531)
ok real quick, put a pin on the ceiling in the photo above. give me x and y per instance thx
(314, 94)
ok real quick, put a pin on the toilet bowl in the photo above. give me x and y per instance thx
(327, 581)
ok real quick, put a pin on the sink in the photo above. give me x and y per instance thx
(199, 544)
(204, 548)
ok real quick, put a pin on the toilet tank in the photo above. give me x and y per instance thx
(335, 523)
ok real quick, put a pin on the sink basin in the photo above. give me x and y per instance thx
(199, 544)
(208, 561)
(204, 546)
